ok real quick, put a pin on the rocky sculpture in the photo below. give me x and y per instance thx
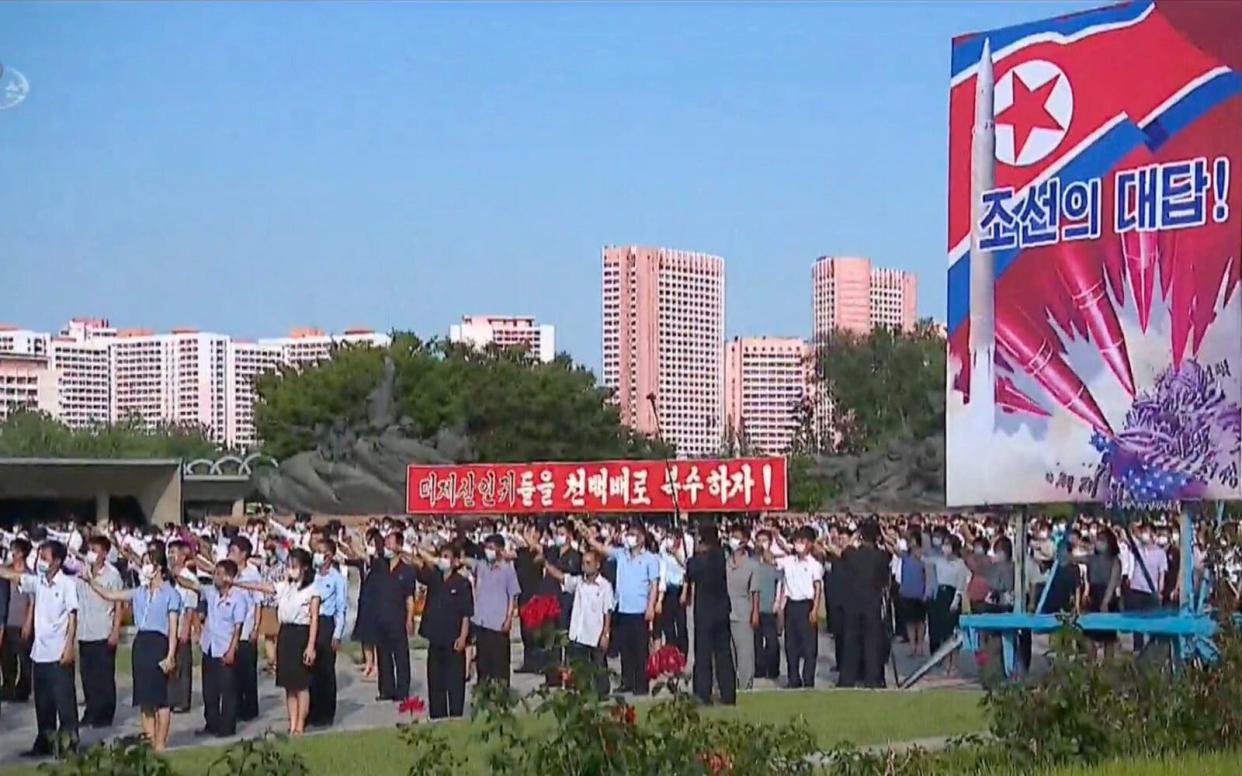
(358, 468)
(908, 474)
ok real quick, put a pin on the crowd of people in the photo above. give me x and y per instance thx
(753, 589)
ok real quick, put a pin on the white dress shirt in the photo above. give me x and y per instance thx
(293, 603)
(593, 601)
(801, 574)
(53, 603)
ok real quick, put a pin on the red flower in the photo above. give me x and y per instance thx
(623, 713)
(412, 705)
(538, 610)
(716, 762)
(665, 661)
(565, 675)
(981, 657)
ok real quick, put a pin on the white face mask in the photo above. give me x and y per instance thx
(490, 554)
(43, 566)
(631, 541)
(92, 558)
(735, 543)
(319, 558)
(903, 545)
(443, 564)
(147, 572)
(800, 548)
(559, 540)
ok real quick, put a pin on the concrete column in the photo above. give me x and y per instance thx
(239, 508)
(102, 509)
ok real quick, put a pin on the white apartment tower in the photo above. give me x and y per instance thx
(246, 361)
(506, 331)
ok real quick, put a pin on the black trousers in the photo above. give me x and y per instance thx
(97, 665)
(446, 682)
(15, 666)
(246, 665)
(392, 654)
(492, 658)
(1138, 601)
(801, 644)
(220, 696)
(836, 626)
(56, 704)
(181, 683)
(673, 620)
(323, 677)
(862, 647)
(713, 649)
(767, 648)
(579, 655)
(630, 632)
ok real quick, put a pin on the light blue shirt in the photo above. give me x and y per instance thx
(674, 572)
(151, 610)
(635, 576)
(333, 600)
(224, 613)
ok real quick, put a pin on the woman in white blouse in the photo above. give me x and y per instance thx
(297, 608)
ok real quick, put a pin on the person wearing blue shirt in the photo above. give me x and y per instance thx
(157, 606)
(333, 609)
(638, 585)
(224, 613)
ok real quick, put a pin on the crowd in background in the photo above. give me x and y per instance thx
(278, 594)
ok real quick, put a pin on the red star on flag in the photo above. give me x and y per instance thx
(1028, 112)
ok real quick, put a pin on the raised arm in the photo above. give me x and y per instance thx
(265, 588)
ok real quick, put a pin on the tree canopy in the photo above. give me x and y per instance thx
(883, 384)
(510, 406)
(26, 434)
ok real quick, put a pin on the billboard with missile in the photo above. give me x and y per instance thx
(1095, 315)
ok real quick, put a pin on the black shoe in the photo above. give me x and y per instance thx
(202, 733)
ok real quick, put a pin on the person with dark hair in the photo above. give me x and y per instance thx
(707, 584)
(99, 632)
(865, 572)
(801, 591)
(952, 577)
(446, 626)
(297, 606)
(156, 606)
(742, 578)
(181, 684)
(496, 591)
(366, 622)
(224, 614)
(52, 651)
(393, 586)
(767, 635)
(1104, 587)
(241, 552)
(333, 610)
(637, 586)
(15, 665)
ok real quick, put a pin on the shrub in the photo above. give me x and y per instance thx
(128, 756)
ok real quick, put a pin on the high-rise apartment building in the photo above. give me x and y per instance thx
(306, 345)
(245, 362)
(27, 382)
(79, 354)
(507, 331)
(177, 377)
(849, 294)
(766, 384)
(663, 335)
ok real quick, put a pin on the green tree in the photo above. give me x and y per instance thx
(883, 384)
(510, 406)
(33, 434)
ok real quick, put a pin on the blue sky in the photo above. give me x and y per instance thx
(245, 168)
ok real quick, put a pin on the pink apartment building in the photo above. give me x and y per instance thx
(848, 293)
(506, 331)
(663, 330)
(766, 381)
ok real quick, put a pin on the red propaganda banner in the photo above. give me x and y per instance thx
(701, 485)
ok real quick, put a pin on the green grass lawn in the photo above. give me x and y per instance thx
(1214, 764)
(857, 717)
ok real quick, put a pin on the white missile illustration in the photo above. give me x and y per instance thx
(982, 272)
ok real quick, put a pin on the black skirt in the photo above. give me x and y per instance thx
(366, 625)
(941, 619)
(150, 681)
(291, 672)
(1095, 595)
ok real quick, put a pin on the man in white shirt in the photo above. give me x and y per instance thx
(591, 619)
(99, 632)
(799, 597)
(55, 634)
(181, 683)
